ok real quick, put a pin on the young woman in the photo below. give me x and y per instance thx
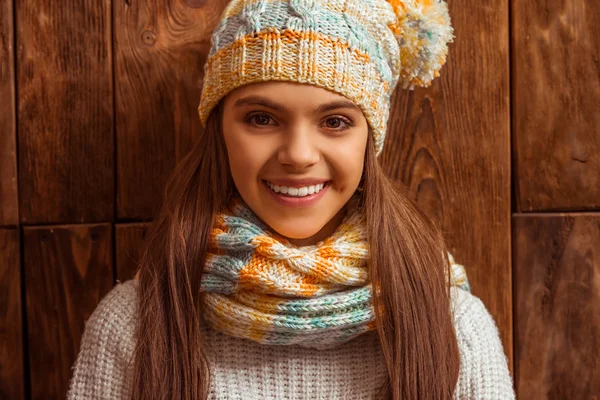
(285, 264)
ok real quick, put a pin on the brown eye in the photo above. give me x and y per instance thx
(258, 119)
(338, 123)
(333, 123)
(261, 119)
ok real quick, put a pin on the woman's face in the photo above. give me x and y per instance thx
(296, 153)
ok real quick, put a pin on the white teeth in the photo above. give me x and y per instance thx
(296, 191)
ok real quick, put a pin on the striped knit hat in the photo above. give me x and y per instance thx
(360, 49)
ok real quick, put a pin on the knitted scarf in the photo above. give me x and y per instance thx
(259, 286)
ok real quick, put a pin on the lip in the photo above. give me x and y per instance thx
(300, 202)
(297, 182)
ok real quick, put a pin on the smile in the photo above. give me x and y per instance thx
(304, 196)
(301, 191)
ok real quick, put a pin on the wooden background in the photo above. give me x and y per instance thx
(98, 103)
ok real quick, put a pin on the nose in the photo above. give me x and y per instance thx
(299, 149)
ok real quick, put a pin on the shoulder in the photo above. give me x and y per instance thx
(484, 372)
(105, 360)
(116, 314)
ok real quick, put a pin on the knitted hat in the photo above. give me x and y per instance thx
(358, 48)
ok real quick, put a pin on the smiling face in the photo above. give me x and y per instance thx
(296, 153)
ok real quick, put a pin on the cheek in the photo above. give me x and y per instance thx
(245, 160)
(348, 163)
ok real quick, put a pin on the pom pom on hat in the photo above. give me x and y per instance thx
(423, 31)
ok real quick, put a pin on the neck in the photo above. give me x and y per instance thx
(324, 233)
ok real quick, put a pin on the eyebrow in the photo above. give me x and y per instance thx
(263, 101)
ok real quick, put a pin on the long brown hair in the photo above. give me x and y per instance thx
(407, 264)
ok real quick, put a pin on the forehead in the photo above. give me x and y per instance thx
(290, 96)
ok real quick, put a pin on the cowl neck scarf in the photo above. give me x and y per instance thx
(259, 286)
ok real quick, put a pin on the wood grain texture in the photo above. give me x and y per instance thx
(65, 111)
(556, 75)
(9, 202)
(160, 50)
(68, 269)
(557, 306)
(129, 241)
(12, 380)
(450, 144)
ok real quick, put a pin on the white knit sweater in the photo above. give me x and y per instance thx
(243, 369)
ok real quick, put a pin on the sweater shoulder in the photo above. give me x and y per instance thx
(484, 372)
(116, 314)
(104, 364)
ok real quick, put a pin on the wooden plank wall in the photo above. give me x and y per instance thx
(556, 177)
(503, 151)
(12, 369)
(65, 112)
(159, 53)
